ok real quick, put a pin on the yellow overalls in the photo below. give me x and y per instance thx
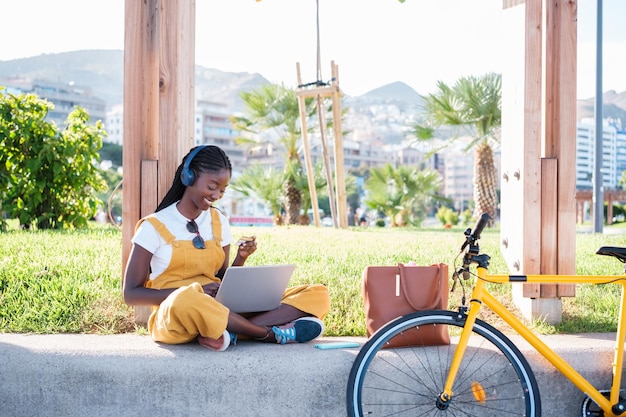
(188, 311)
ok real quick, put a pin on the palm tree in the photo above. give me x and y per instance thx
(272, 116)
(403, 194)
(265, 183)
(473, 104)
(302, 184)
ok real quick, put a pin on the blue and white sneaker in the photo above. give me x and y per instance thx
(299, 331)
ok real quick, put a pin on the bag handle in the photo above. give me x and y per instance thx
(438, 291)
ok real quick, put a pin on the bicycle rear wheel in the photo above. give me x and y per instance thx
(494, 378)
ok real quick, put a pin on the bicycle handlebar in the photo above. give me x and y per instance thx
(480, 225)
(472, 236)
(470, 239)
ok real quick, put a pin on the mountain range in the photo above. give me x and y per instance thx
(381, 114)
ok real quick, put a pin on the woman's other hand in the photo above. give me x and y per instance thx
(211, 288)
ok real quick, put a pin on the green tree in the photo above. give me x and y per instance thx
(272, 115)
(302, 183)
(111, 152)
(403, 194)
(263, 182)
(622, 180)
(473, 105)
(48, 177)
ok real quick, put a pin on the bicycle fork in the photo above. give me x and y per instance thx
(446, 396)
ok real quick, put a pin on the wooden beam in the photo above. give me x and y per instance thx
(340, 182)
(141, 106)
(560, 121)
(326, 91)
(531, 114)
(149, 191)
(545, 199)
(310, 173)
(159, 103)
(549, 222)
(177, 87)
(521, 135)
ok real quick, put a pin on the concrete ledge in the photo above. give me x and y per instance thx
(130, 375)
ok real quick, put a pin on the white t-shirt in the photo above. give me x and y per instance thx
(148, 238)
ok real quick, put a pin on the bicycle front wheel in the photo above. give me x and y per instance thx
(494, 378)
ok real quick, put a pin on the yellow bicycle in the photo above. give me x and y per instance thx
(481, 372)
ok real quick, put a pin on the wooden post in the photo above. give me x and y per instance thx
(321, 115)
(538, 217)
(141, 93)
(340, 182)
(159, 77)
(549, 224)
(310, 172)
(560, 122)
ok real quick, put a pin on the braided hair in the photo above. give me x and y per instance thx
(210, 159)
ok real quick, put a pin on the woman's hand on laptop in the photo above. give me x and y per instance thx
(211, 288)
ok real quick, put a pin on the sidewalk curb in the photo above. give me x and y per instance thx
(130, 375)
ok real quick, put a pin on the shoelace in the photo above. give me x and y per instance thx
(282, 336)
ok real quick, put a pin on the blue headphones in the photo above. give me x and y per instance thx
(187, 176)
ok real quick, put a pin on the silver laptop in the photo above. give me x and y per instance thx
(249, 289)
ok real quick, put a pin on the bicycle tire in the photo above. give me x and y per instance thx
(494, 378)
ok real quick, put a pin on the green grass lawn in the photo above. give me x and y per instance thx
(70, 281)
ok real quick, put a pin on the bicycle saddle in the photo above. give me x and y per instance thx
(619, 253)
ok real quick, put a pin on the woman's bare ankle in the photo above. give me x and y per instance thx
(268, 336)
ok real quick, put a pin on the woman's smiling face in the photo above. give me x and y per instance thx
(209, 187)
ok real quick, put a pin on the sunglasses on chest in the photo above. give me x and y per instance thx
(198, 241)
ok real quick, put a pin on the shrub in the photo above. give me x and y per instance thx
(447, 216)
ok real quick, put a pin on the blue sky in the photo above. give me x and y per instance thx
(373, 42)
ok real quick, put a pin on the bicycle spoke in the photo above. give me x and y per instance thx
(492, 380)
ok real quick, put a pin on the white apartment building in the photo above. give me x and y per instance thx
(213, 127)
(458, 178)
(64, 96)
(613, 153)
(114, 125)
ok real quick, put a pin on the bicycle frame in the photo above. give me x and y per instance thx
(480, 295)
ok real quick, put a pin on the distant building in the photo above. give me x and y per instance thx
(355, 154)
(213, 127)
(64, 97)
(458, 178)
(114, 125)
(613, 153)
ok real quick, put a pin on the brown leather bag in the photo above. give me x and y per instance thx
(393, 291)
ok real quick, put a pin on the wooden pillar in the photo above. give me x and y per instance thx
(310, 172)
(538, 217)
(159, 101)
(340, 181)
(141, 95)
(177, 87)
(560, 123)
